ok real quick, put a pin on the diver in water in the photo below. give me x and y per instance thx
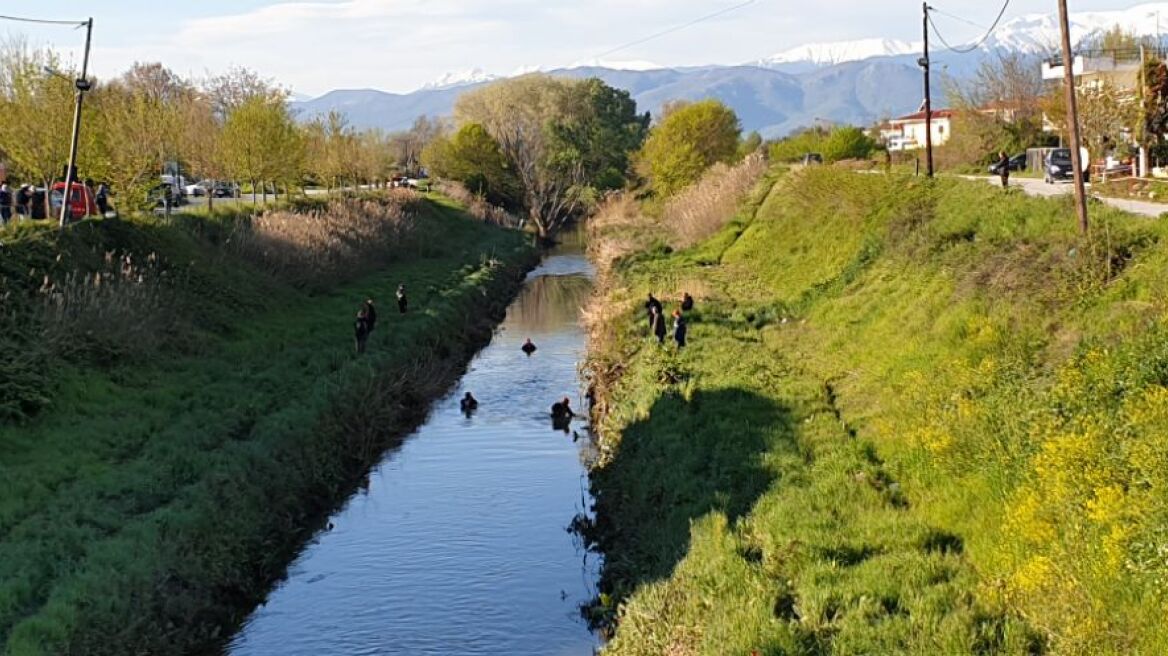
(468, 404)
(562, 414)
(528, 347)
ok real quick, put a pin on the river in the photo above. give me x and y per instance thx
(458, 543)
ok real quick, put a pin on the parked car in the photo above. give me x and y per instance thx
(81, 202)
(1016, 163)
(226, 190)
(1058, 167)
(812, 158)
(199, 189)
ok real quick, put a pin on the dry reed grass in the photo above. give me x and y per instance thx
(322, 248)
(702, 209)
(125, 309)
(477, 206)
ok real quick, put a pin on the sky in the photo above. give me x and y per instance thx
(314, 46)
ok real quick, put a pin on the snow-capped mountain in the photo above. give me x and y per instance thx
(838, 52)
(461, 78)
(1036, 34)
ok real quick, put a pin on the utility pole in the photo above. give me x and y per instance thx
(82, 85)
(924, 63)
(1073, 117)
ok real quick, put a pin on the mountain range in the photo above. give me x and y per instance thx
(855, 82)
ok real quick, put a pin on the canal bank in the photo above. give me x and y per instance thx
(457, 543)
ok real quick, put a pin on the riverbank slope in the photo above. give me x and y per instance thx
(154, 500)
(913, 418)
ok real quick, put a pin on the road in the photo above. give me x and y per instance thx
(1036, 187)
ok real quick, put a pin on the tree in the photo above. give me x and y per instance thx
(559, 139)
(37, 111)
(687, 142)
(473, 157)
(261, 142)
(134, 125)
(847, 142)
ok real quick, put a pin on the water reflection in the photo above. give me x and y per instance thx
(458, 544)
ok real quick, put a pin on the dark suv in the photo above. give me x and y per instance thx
(1058, 166)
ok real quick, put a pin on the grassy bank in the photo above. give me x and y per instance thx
(152, 500)
(914, 418)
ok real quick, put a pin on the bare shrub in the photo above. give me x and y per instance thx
(124, 309)
(321, 248)
(619, 228)
(702, 209)
(477, 206)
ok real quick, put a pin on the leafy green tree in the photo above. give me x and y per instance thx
(261, 142)
(473, 157)
(793, 147)
(689, 140)
(565, 140)
(847, 142)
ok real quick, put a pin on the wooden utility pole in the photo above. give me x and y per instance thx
(82, 85)
(924, 62)
(1073, 117)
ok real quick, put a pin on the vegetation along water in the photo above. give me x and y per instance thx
(913, 417)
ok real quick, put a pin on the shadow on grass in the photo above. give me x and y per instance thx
(687, 459)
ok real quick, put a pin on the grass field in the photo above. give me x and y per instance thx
(152, 502)
(913, 417)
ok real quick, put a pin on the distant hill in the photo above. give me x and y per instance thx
(769, 100)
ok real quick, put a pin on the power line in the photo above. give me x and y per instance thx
(676, 28)
(979, 42)
(958, 18)
(42, 21)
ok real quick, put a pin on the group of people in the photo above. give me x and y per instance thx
(367, 318)
(562, 413)
(657, 325)
(28, 202)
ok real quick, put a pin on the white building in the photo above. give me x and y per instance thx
(908, 132)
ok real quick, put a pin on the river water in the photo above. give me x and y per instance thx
(458, 544)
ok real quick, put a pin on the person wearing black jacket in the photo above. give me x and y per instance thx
(658, 321)
(687, 302)
(1004, 168)
(361, 331)
(23, 201)
(370, 314)
(5, 204)
(651, 305)
(679, 329)
(402, 301)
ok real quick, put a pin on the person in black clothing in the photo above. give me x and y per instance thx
(1004, 168)
(23, 201)
(468, 404)
(370, 314)
(5, 204)
(528, 347)
(401, 298)
(361, 331)
(658, 321)
(101, 198)
(651, 305)
(679, 329)
(562, 415)
(687, 302)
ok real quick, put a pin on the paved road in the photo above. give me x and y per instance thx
(1036, 187)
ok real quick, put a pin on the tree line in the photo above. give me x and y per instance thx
(235, 126)
(546, 148)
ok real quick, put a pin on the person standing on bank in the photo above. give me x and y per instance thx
(652, 305)
(687, 302)
(101, 198)
(361, 331)
(658, 321)
(23, 201)
(402, 301)
(370, 314)
(679, 329)
(5, 204)
(1004, 168)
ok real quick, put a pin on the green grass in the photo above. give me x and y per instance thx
(915, 417)
(150, 506)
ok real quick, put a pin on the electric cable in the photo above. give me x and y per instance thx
(676, 28)
(979, 42)
(42, 21)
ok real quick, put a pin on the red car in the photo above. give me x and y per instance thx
(81, 202)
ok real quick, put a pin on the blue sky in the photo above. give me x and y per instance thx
(313, 46)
